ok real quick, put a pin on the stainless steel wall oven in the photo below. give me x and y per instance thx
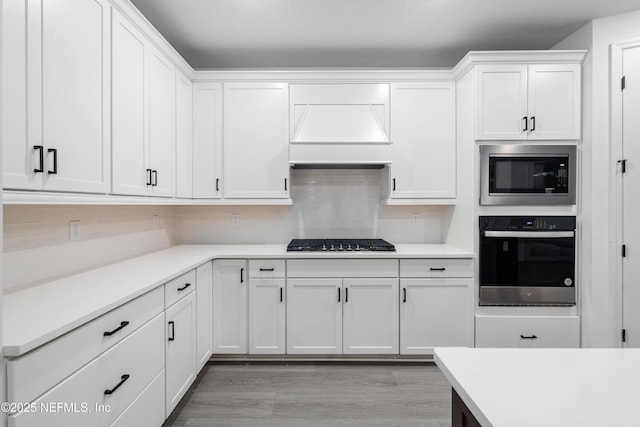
(527, 260)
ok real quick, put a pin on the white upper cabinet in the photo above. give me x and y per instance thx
(424, 146)
(534, 102)
(184, 131)
(256, 141)
(207, 140)
(66, 147)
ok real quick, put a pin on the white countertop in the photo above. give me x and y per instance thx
(38, 314)
(545, 387)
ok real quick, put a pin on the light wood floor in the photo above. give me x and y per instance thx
(301, 395)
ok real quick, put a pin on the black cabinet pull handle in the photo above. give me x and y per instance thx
(172, 329)
(242, 275)
(122, 380)
(394, 184)
(346, 294)
(281, 296)
(533, 123)
(528, 337)
(40, 148)
(55, 161)
(526, 124)
(149, 177)
(437, 269)
(404, 294)
(267, 269)
(122, 325)
(285, 184)
(154, 173)
(217, 184)
(338, 294)
(184, 287)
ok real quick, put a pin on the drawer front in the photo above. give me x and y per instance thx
(266, 268)
(436, 267)
(342, 268)
(148, 408)
(34, 373)
(179, 287)
(528, 331)
(140, 356)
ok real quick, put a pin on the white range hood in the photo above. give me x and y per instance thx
(339, 124)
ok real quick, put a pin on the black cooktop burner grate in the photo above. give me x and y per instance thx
(340, 245)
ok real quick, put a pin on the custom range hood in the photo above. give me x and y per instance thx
(339, 125)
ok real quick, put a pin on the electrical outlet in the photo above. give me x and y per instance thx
(75, 230)
(155, 222)
(415, 218)
(235, 219)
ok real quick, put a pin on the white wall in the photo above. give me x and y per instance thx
(598, 254)
(37, 246)
(3, 380)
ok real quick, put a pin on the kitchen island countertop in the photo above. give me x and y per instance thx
(38, 314)
(578, 387)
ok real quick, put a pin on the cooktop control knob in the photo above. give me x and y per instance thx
(349, 248)
(332, 248)
(340, 248)
(324, 247)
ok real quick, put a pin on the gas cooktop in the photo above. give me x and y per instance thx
(340, 245)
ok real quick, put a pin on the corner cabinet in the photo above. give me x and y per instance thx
(424, 147)
(528, 102)
(60, 138)
(256, 141)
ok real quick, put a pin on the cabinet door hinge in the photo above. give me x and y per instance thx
(623, 82)
(624, 251)
(624, 335)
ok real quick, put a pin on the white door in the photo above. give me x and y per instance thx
(554, 101)
(434, 313)
(314, 316)
(180, 349)
(630, 192)
(75, 95)
(370, 316)
(230, 306)
(20, 159)
(184, 130)
(256, 140)
(423, 133)
(207, 140)
(161, 124)
(501, 106)
(204, 312)
(128, 97)
(267, 316)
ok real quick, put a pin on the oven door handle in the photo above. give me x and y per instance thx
(530, 234)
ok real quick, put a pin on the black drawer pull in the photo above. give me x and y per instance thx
(122, 325)
(184, 287)
(172, 327)
(242, 275)
(338, 294)
(528, 337)
(404, 294)
(346, 294)
(40, 168)
(437, 269)
(281, 298)
(149, 180)
(526, 124)
(533, 123)
(122, 380)
(55, 161)
(154, 173)
(217, 184)
(267, 269)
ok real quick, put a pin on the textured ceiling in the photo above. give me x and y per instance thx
(363, 33)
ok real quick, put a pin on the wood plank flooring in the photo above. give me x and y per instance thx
(301, 395)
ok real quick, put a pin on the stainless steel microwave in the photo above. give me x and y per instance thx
(527, 175)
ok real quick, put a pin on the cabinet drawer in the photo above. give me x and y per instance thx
(266, 268)
(342, 268)
(140, 356)
(436, 267)
(179, 287)
(528, 331)
(32, 374)
(148, 408)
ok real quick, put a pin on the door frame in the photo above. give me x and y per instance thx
(616, 51)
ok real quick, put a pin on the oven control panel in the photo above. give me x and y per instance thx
(528, 223)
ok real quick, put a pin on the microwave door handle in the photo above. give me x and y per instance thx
(530, 234)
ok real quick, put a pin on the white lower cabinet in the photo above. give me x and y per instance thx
(204, 307)
(143, 412)
(435, 313)
(267, 296)
(99, 392)
(230, 306)
(180, 349)
(528, 331)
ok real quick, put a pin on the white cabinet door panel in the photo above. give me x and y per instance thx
(314, 316)
(148, 408)
(370, 316)
(267, 316)
(256, 140)
(230, 306)
(184, 141)
(207, 140)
